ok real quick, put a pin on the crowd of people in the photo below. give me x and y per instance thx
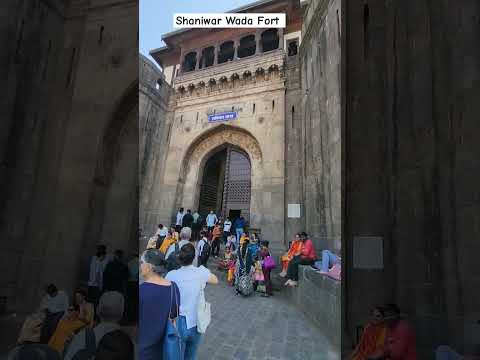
(173, 313)
(94, 323)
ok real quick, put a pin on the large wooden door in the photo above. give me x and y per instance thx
(226, 184)
(236, 193)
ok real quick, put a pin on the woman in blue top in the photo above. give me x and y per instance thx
(156, 304)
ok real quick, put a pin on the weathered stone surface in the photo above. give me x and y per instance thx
(412, 110)
(67, 135)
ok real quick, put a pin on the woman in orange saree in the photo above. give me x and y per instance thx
(295, 249)
(373, 338)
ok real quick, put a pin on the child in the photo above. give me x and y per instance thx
(217, 232)
(231, 242)
(264, 254)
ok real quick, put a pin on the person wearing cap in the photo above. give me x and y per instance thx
(159, 299)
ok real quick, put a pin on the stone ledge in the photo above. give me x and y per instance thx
(319, 298)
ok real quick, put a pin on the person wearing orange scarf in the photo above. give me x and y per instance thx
(373, 337)
(295, 249)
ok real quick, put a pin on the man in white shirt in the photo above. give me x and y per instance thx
(178, 223)
(110, 311)
(211, 221)
(227, 225)
(97, 266)
(162, 230)
(198, 251)
(54, 304)
(184, 236)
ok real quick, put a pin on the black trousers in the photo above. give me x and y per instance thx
(292, 271)
(216, 246)
(178, 228)
(49, 326)
(226, 234)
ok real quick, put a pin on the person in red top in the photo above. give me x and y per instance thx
(400, 343)
(306, 257)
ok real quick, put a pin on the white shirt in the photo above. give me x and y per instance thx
(171, 249)
(227, 225)
(78, 342)
(97, 267)
(190, 280)
(211, 219)
(162, 232)
(55, 304)
(200, 246)
(180, 218)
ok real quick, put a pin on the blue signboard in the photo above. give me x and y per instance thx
(226, 116)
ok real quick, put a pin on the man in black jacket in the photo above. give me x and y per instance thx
(187, 220)
(116, 274)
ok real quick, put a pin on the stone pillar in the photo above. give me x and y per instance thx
(258, 42)
(197, 64)
(280, 38)
(236, 44)
(182, 58)
(216, 52)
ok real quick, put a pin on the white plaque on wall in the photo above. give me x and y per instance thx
(293, 210)
(368, 252)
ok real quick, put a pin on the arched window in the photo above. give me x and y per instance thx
(226, 52)
(189, 62)
(247, 46)
(270, 40)
(208, 57)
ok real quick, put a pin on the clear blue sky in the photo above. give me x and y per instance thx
(156, 17)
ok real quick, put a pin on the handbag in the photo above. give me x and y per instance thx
(269, 263)
(204, 314)
(172, 347)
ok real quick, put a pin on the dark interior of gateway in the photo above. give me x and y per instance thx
(225, 186)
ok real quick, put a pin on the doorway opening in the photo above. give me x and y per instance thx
(226, 184)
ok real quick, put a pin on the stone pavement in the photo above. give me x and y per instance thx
(259, 328)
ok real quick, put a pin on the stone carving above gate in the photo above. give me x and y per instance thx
(212, 140)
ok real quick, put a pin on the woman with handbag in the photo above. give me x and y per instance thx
(158, 302)
(194, 310)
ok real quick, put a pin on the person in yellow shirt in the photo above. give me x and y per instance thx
(77, 317)
(169, 240)
(243, 238)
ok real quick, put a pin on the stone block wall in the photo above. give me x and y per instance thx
(412, 164)
(319, 297)
(320, 56)
(69, 67)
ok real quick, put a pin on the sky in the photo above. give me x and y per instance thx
(156, 17)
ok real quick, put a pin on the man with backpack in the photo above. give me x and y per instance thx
(110, 311)
(203, 249)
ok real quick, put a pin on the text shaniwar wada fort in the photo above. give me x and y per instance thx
(229, 20)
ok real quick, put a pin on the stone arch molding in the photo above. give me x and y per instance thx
(206, 145)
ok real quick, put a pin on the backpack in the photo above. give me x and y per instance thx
(90, 347)
(172, 260)
(205, 254)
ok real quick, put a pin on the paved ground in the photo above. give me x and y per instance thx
(259, 328)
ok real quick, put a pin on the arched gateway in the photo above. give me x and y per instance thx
(219, 171)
